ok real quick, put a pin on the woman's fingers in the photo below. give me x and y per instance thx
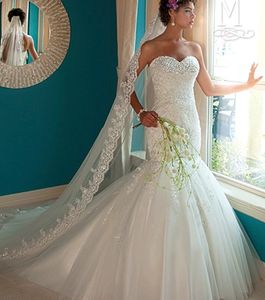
(253, 67)
(149, 119)
(252, 81)
(259, 79)
(149, 116)
(155, 114)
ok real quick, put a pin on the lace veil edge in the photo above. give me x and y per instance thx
(97, 168)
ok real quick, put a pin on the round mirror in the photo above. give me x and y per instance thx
(35, 38)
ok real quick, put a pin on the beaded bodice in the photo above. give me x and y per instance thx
(173, 94)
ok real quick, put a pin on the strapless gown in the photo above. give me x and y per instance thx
(146, 240)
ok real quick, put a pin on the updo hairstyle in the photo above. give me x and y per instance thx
(17, 12)
(164, 10)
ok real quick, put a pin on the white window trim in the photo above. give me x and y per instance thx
(244, 201)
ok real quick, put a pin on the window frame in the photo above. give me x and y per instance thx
(207, 136)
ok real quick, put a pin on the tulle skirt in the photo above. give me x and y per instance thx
(143, 239)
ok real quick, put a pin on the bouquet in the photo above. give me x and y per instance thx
(178, 156)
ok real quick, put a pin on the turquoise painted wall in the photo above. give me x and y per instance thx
(46, 130)
(256, 231)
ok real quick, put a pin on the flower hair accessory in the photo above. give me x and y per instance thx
(173, 4)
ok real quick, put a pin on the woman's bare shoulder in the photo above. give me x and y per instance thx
(152, 47)
(27, 37)
(194, 46)
(149, 45)
(195, 49)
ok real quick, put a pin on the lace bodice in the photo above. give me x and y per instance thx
(173, 79)
(173, 95)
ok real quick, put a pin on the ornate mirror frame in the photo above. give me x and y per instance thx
(53, 56)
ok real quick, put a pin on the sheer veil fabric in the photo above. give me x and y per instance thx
(53, 248)
(95, 174)
(12, 45)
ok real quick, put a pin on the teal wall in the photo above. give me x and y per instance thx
(46, 130)
(256, 231)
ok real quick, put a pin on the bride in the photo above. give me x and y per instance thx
(163, 231)
(15, 44)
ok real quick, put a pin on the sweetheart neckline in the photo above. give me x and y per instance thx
(174, 58)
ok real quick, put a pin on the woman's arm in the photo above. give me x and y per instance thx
(32, 49)
(147, 118)
(212, 89)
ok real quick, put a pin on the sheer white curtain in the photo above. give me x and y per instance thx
(126, 27)
(151, 10)
(126, 34)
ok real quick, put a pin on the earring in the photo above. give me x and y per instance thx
(173, 23)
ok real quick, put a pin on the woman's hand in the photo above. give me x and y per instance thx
(252, 81)
(149, 118)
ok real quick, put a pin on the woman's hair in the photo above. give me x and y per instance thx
(164, 10)
(17, 12)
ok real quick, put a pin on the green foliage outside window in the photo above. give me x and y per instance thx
(228, 159)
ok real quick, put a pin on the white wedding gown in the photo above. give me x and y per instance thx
(145, 240)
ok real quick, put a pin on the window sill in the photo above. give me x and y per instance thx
(245, 201)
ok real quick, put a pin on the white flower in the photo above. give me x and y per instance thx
(182, 131)
(176, 138)
(187, 153)
(170, 156)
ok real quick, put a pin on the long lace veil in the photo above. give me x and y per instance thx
(12, 44)
(80, 198)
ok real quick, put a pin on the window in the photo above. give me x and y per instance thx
(238, 121)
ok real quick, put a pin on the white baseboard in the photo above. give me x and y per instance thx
(31, 197)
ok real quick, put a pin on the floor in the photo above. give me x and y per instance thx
(28, 291)
(9, 290)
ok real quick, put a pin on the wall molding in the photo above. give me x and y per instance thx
(31, 197)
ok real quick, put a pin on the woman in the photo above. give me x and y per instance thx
(15, 43)
(155, 233)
